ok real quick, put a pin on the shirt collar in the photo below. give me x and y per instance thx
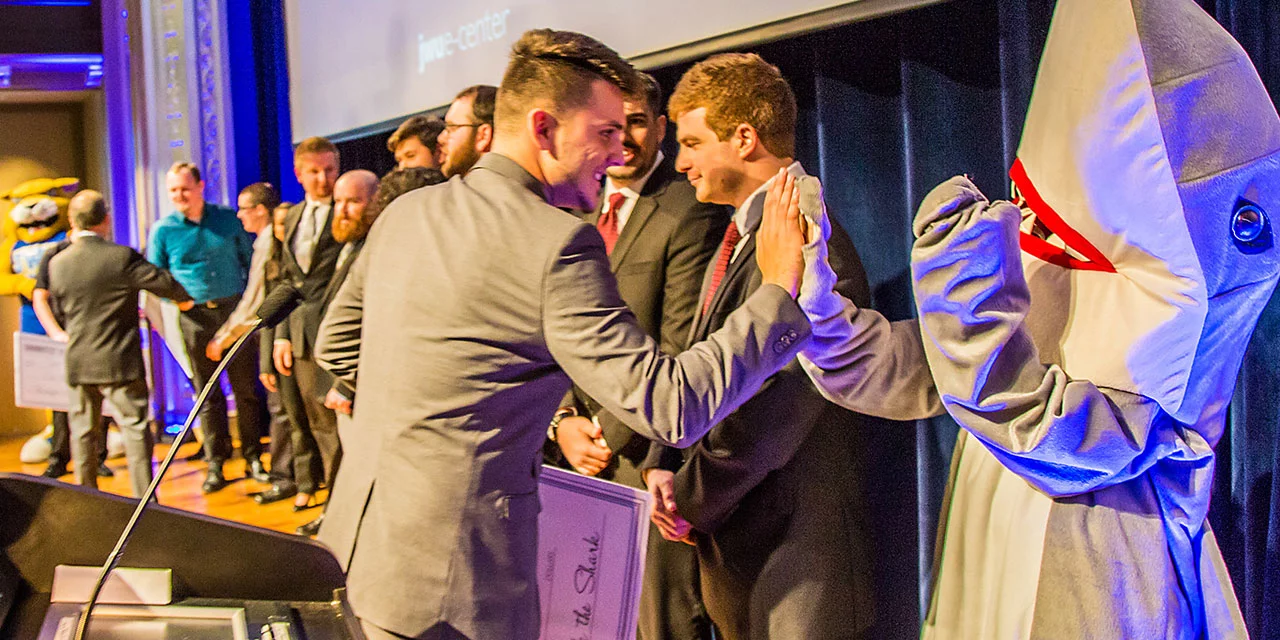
(748, 216)
(633, 190)
(76, 235)
(510, 169)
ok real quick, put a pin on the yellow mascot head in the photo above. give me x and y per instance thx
(39, 208)
(36, 212)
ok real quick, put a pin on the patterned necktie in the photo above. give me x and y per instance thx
(608, 222)
(304, 239)
(731, 238)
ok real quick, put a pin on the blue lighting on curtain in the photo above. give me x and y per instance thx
(44, 3)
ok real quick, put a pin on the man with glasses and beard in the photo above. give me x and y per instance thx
(468, 129)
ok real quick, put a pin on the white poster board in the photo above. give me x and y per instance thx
(164, 318)
(40, 372)
(592, 537)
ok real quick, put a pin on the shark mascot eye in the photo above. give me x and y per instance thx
(1251, 228)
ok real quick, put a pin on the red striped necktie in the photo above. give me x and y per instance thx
(731, 238)
(607, 224)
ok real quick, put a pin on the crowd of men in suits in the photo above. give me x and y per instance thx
(470, 308)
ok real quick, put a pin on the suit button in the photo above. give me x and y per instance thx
(792, 334)
(779, 348)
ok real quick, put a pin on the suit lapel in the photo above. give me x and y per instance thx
(640, 214)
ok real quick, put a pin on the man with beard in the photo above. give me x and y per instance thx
(659, 239)
(468, 129)
(416, 143)
(352, 194)
(359, 454)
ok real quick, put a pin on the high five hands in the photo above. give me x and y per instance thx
(780, 244)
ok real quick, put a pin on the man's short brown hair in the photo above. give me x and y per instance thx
(179, 167)
(740, 88)
(425, 128)
(314, 144)
(262, 193)
(555, 70)
(650, 94)
(483, 100)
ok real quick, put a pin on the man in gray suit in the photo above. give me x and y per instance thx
(96, 282)
(660, 240)
(473, 305)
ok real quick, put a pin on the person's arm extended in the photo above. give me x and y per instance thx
(857, 358)
(595, 339)
(1063, 436)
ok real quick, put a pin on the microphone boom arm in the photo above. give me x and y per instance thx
(113, 558)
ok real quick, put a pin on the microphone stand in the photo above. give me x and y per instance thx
(114, 558)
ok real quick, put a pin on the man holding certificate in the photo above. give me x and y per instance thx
(473, 305)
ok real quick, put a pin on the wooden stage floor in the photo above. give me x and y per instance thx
(181, 488)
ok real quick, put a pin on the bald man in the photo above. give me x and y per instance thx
(340, 527)
(96, 283)
(352, 194)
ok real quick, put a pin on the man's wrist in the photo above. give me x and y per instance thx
(561, 414)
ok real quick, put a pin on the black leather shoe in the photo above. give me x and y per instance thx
(214, 481)
(311, 528)
(256, 470)
(104, 471)
(55, 470)
(276, 493)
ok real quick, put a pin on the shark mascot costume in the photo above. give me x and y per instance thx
(1087, 337)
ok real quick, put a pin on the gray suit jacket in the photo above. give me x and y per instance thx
(96, 283)
(472, 306)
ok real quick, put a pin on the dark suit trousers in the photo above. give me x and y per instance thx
(315, 432)
(61, 440)
(281, 446)
(198, 327)
(670, 594)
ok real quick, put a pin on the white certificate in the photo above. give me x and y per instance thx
(592, 537)
(40, 372)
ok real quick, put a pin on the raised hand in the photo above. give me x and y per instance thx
(781, 239)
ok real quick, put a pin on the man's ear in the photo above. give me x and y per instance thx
(484, 138)
(660, 128)
(745, 140)
(543, 127)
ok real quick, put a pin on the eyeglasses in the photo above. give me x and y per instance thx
(450, 126)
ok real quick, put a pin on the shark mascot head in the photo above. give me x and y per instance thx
(1149, 170)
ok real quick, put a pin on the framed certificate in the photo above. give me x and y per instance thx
(592, 537)
(40, 372)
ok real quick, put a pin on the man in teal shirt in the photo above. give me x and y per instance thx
(208, 252)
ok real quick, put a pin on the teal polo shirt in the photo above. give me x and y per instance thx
(210, 259)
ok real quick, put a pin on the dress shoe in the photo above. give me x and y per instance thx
(311, 528)
(304, 501)
(256, 470)
(214, 481)
(278, 491)
(55, 470)
(104, 471)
